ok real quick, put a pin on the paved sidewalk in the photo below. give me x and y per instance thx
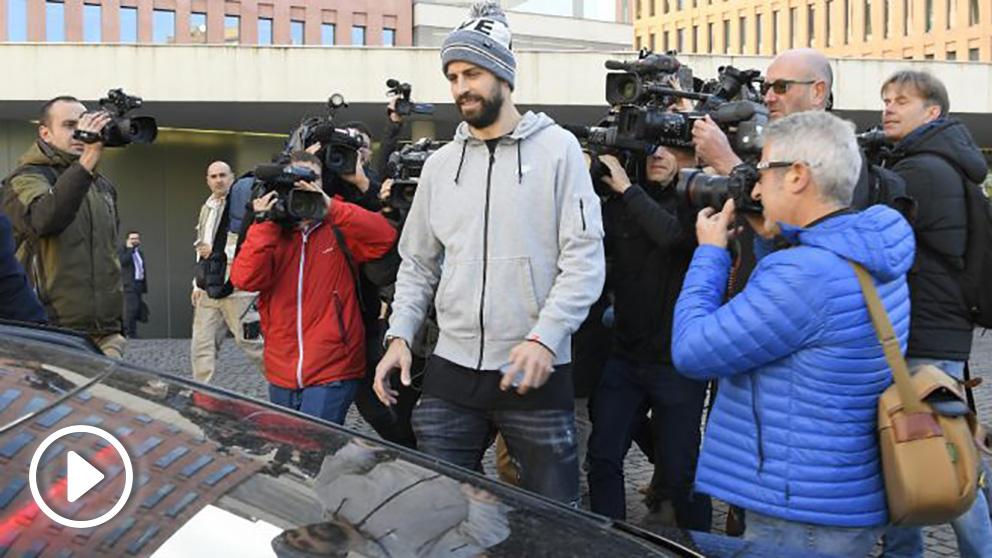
(235, 373)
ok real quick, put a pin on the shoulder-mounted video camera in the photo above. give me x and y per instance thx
(404, 107)
(292, 204)
(338, 147)
(121, 130)
(405, 167)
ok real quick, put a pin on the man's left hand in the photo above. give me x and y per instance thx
(713, 227)
(618, 181)
(358, 178)
(535, 361)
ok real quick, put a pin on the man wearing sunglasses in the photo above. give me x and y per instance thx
(797, 80)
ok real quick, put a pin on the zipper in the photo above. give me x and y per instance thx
(485, 260)
(299, 311)
(339, 306)
(582, 213)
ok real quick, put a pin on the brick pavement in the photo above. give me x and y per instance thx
(235, 373)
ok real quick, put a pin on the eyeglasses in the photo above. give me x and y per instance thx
(773, 165)
(781, 86)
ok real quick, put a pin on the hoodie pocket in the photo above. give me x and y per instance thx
(511, 302)
(457, 300)
(588, 220)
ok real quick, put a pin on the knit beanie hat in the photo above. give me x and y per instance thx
(484, 40)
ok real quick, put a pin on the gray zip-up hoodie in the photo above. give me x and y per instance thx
(508, 246)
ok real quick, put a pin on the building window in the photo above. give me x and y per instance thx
(665, 41)
(665, 7)
(886, 18)
(974, 16)
(678, 5)
(637, 43)
(847, 22)
(358, 35)
(198, 27)
(907, 17)
(163, 26)
(951, 55)
(928, 16)
(726, 36)
(327, 34)
(232, 29)
(651, 4)
(54, 21)
(793, 23)
(91, 23)
(17, 21)
(265, 31)
(680, 40)
(695, 38)
(625, 11)
(742, 38)
(810, 25)
(296, 32)
(952, 13)
(709, 38)
(928, 56)
(388, 37)
(775, 32)
(757, 34)
(867, 28)
(973, 54)
(129, 25)
(828, 32)
(651, 42)
(637, 13)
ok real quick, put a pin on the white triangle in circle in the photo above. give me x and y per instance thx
(81, 477)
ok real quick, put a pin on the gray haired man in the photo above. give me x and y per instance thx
(509, 209)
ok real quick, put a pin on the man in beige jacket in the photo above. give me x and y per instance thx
(212, 318)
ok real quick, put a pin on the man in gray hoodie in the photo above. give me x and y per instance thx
(505, 239)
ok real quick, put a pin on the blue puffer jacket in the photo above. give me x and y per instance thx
(792, 434)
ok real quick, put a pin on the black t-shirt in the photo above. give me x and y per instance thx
(491, 144)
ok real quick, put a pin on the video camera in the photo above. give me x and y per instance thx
(121, 130)
(292, 204)
(405, 167)
(338, 147)
(876, 146)
(404, 107)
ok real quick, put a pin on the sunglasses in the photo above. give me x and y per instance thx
(780, 86)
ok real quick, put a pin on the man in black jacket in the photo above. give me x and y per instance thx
(650, 241)
(133, 273)
(17, 300)
(936, 156)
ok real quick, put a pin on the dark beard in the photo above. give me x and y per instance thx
(489, 113)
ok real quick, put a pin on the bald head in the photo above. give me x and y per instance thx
(805, 80)
(219, 178)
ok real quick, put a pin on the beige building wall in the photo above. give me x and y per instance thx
(958, 30)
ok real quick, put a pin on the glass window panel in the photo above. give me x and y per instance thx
(232, 29)
(163, 26)
(129, 25)
(264, 31)
(358, 35)
(296, 33)
(91, 23)
(198, 27)
(17, 21)
(54, 22)
(388, 37)
(327, 34)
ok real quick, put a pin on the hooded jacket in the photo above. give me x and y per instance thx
(17, 300)
(792, 434)
(76, 271)
(511, 242)
(934, 160)
(307, 302)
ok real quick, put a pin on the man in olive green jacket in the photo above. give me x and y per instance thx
(65, 224)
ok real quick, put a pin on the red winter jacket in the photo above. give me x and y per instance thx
(311, 320)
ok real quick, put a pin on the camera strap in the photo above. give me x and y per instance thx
(351, 266)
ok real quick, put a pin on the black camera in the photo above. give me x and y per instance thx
(292, 204)
(121, 130)
(743, 121)
(405, 167)
(404, 107)
(338, 147)
(876, 146)
(698, 189)
(642, 79)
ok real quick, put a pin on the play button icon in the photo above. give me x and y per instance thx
(81, 477)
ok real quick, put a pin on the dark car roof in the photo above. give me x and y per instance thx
(218, 474)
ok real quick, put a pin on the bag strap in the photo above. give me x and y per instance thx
(351, 266)
(222, 227)
(890, 343)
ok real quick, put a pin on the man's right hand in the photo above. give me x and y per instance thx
(397, 356)
(264, 203)
(391, 110)
(93, 122)
(712, 146)
(195, 297)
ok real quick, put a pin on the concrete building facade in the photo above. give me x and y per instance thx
(951, 30)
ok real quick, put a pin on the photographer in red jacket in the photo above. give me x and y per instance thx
(311, 318)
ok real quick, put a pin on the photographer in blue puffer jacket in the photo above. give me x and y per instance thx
(792, 438)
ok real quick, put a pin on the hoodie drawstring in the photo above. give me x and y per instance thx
(461, 161)
(520, 168)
